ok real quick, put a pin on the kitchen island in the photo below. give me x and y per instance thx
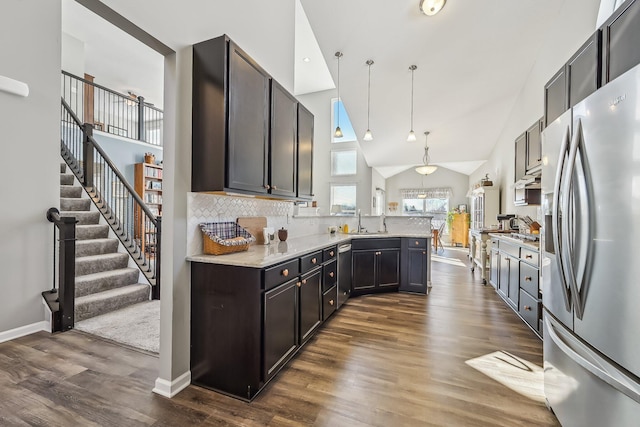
(252, 311)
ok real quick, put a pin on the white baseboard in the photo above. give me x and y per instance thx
(171, 388)
(12, 334)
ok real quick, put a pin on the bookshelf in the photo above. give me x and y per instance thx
(148, 185)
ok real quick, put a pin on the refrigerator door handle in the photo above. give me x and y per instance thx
(568, 237)
(591, 361)
(556, 225)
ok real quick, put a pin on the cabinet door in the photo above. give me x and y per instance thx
(364, 269)
(494, 277)
(416, 271)
(555, 97)
(514, 282)
(248, 128)
(503, 282)
(310, 303)
(621, 37)
(584, 69)
(534, 146)
(283, 158)
(388, 268)
(280, 326)
(521, 157)
(305, 153)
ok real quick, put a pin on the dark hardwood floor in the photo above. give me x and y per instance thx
(383, 360)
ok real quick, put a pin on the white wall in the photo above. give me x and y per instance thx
(319, 104)
(72, 55)
(574, 24)
(30, 165)
(442, 177)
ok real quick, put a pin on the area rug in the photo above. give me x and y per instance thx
(136, 326)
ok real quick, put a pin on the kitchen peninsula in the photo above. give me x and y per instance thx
(252, 311)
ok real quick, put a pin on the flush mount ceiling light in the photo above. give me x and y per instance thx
(412, 134)
(368, 136)
(426, 168)
(338, 132)
(431, 7)
(306, 59)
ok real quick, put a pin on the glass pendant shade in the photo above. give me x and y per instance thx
(426, 168)
(431, 7)
(368, 136)
(338, 132)
(411, 137)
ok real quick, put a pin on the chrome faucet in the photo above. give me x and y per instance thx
(359, 221)
(384, 222)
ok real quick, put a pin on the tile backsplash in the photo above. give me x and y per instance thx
(203, 207)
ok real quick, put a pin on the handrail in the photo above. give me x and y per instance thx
(106, 89)
(108, 160)
(135, 225)
(64, 316)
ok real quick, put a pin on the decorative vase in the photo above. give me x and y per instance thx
(283, 234)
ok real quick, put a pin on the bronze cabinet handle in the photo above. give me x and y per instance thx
(313, 260)
(298, 284)
(331, 274)
(267, 187)
(331, 253)
(526, 307)
(304, 282)
(331, 302)
(285, 272)
(424, 252)
(528, 256)
(274, 187)
(417, 243)
(527, 278)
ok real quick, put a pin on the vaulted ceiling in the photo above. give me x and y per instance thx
(473, 59)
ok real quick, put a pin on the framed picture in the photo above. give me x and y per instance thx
(462, 208)
(117, 131)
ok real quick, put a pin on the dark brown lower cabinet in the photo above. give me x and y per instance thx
(310, 303)
(364, 268)
(415, 270)
(280, 326)
(329, 302)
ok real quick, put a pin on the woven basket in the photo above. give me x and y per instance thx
(219, 238)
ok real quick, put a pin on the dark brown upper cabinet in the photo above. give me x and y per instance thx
(534, 147)
(621, 38)
(583, 70)
(305, 153)
(521, 157)
(245, 126)
(556, 101)
(528, 163)
(283, 157)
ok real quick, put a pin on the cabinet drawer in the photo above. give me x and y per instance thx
(376, 243)
(280, 273)
(529, 256)
(329, 254)
(529, 279)
(417, 243)
(329, 300)
(510, 249)
(330, 275)
(529, 309)
(310, 261)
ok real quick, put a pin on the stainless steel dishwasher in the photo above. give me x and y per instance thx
(344, 273)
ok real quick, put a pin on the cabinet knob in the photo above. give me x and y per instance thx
(331, 302)
(331, 253)
(528, 256)
(526, 307)
(267, 186)
(331, 274)
(417, 243)
(304, 282)
(424, 252)
(314, 261)
(285, 272)
(274, 187)
(298, 284)
(527, 279)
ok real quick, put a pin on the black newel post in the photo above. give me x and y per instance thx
(155, 293)
(141, 135)
(87, 158)
(67, 274)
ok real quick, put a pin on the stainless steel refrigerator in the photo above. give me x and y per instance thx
(591, 258)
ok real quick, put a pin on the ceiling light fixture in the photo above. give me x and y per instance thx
(431, 7)
(368, 136)
(412, 134)
(338, 132)
(426, 168)
(306, 59)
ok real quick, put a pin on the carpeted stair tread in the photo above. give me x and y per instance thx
(96, 247)
(70, 191)
(97, 263)
(113, 299)
(83, 217)
(66, 179)
(92, 231)
(74, 204)
(105, 280)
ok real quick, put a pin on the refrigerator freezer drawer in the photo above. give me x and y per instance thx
(577, 396)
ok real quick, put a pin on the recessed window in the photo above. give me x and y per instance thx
(348, 134)
(343, 199)
(344, 162)
(427, 201)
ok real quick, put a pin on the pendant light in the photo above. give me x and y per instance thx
(338, 132)
(412, 134)
(426, 168)
(368, 136)
(431, 7)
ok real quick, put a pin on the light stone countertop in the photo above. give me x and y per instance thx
(260, 256)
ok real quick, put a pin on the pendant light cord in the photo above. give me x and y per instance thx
(369, 62)
(412, 70)
(338, 55)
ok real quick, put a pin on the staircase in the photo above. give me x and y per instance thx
(104, 282)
